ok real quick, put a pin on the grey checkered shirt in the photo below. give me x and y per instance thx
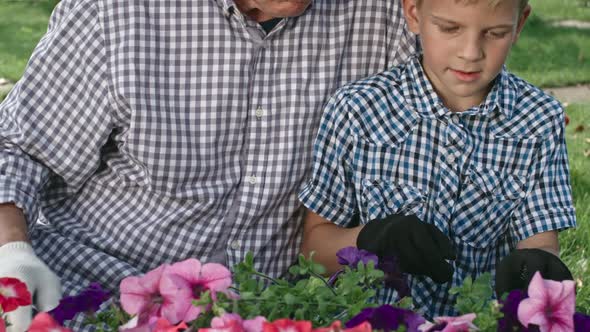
(145, 132)
(488, 177)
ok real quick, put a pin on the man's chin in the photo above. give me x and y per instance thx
(293, 8)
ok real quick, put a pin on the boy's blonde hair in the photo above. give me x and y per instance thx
(492, 3)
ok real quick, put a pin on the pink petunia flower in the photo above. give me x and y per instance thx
(43, 322)
(2, 325)
(550, 305)
(234, 323)
(163, 325)
(337, 327)
(287, 325)
(141, 296)
(13, 294)
(451, 324)
(156, 325)
(186, 281)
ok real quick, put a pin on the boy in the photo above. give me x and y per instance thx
(449, 162)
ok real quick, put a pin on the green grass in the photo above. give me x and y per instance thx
(22, 24)
(575, 244)
(562, 9)
(550, 56)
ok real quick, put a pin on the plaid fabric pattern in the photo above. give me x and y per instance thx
(145, 132)
(487, 177)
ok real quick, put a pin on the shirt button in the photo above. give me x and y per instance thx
(259, 112)
(451, 159)
(235, 244)
(252, 179)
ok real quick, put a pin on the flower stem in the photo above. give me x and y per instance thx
(264, 276)
(324, 280)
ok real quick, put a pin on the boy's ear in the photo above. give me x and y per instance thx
(521, 20)
(411, 14)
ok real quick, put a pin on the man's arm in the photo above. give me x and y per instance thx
(13, 226)
(325, 239)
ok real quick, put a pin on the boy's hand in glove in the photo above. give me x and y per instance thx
(516, 270)
(420, 248)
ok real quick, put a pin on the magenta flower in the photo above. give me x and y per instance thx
(186, 281)
(551, 305)
(234, 323)
(155, 325)
(141, 296)
(337, 327)
(13, 294)
(43, 322)
(451, 324)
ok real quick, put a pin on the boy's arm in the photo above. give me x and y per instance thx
(325, 238)
(539, 252)
(420, 248)
(547, 209)
(547, 241)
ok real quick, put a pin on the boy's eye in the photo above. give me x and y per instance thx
(448, 29)
(497, 34)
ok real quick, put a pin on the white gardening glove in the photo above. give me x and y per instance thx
(18, 260)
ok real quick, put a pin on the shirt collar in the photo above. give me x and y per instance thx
(418, 90)
(229, 6)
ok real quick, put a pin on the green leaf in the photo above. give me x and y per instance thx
(290, 299)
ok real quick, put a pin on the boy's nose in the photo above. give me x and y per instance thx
(471, 49)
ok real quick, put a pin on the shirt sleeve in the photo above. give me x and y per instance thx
(56, 118)
(548, 206)
(330, 190)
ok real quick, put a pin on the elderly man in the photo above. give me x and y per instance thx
(145, 132)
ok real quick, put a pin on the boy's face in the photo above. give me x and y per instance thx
(464, 45)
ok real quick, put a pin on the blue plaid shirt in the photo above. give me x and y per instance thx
(487, 177)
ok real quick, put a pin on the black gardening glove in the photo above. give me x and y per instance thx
(516, 270)
(420, 248)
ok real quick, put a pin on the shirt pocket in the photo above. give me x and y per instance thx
(380, 199)
(487, 200)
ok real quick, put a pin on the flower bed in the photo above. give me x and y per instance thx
(191, 296)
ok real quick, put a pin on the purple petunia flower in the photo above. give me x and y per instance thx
(510, 308)
(394, 278)
(351, 256)
(581, 322)
(387, 318)
(89, 300)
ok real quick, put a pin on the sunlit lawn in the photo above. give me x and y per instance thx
(562, 9)
(575, 243)
(551, 56)
(22, 24)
